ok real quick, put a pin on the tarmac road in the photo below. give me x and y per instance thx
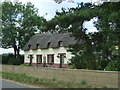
(10, 84)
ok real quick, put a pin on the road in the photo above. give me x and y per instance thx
(10, 84)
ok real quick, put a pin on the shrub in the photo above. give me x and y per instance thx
(83, 82)
(113, 66)
(14, 61)
(21, 57)
(104, 86)
(72, 66)
(10, 59)
(54, 79)
(25, 65)
(44, 64)
(6, 57)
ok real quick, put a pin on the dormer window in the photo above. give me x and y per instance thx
(60, 43)
(37, 46)
(49, 45)
(29, 46)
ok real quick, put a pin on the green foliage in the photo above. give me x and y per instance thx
(6, 57)
(75, 18)
(0, 11)
(44, 64)
(20, 22)
(14, 61)
(77, 62)
(104, 86)
(21, 57)
(84, 59)
(92, 50)
(108, 26)
(114, 65)
(25, 65)
(54, 79)
(72, 66)
(10, 59)
(83, 82)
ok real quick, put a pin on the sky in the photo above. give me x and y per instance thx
(47, 9)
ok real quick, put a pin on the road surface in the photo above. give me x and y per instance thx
(10, 84)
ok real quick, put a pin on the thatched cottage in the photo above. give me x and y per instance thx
(48, 49)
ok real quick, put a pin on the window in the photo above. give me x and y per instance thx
(60, 43)
(29, 46)
(37, 46)
(39, 58)
(49, 44)
(50, 58)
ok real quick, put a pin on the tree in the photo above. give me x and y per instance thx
(102, 43)
(0, 24)
(108, 25)
(20, 22)
(72, 20)
(93, 50)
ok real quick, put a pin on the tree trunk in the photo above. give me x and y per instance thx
(15, 51)
(18, 51)
(18, 47)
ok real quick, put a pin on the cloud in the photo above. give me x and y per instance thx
(92, 30)
(90, 26)
(10, 50)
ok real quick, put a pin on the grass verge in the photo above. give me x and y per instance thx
(48, 83)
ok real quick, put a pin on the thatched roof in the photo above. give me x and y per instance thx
(43, 39)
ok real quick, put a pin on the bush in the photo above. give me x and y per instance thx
(10, 59)
(72, 66)
(6, 57)
(21, 57)
(25, 65)
(113, 66)
(44, 64)
(83, 82)
(14, 61)
(82, 61)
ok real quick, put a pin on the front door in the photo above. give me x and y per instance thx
(31, 56)
(61, 60)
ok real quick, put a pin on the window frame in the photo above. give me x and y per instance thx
(49, 45)
(29, 47)
(52, 61)
(60, 43)
(40, 58)
(37, 46)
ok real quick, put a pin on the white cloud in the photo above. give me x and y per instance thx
(90, 26)
(92, 30)
(10, 50)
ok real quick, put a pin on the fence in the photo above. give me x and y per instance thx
(92, 77)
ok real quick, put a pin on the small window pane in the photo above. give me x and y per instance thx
(50, 58)
(39, 58)
(37, 46)
(49, 45)
(29, 46)
(60, 43)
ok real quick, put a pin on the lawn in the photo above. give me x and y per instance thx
(42, 82)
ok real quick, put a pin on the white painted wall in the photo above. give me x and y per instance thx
(44, 52)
